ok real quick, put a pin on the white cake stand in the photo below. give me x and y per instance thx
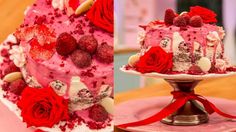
(191, 113)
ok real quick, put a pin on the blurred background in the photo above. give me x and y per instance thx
(131, 13)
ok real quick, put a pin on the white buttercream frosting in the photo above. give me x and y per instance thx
(17, 55)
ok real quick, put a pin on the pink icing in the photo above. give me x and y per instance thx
(155, 34)
(58, 68)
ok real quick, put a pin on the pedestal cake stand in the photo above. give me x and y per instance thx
(191, 113)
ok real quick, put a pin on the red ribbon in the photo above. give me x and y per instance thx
(180, 99)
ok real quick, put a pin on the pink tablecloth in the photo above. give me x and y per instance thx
(9, 121)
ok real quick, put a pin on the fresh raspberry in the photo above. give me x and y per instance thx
(81, 58)
(186, 18)
(88, 43)
(38, 52)
(195, 70)
(180, 21)
(105, 53)
(65, 44)
(169, 16)
(196, 21)
(17, 86)
(11, 68)
(98, 113)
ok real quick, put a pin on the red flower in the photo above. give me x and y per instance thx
(155, 60)
(42, 107)
(101, 14)
(207, 15)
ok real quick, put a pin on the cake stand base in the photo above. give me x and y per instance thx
(191, 113)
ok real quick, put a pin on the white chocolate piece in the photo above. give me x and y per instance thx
(177, 39)
(184, 12)
(133, 60)
(11, 77)
(84, 7)
(75, 86)
(205, 64)
(108, 104)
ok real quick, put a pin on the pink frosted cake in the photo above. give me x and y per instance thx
(57, 68)
(189, 42)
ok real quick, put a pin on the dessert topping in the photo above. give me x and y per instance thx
(155, 60)
(108, 104)
(133, 60)
(81, 58)
(11, 68)
(59, 87)
(88, 43)
(65, 44)
(169, 16)
(207, 15)
(11, 77)
(17, 86)
(85, 6)
(196, 21)
(204, 63)
(98, 113)
(179, 21)
(105, 53)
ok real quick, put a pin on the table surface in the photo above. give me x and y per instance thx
(219, 87)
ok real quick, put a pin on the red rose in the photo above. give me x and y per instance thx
(155, 60)
(207, 15)
(42, 107)
(101, 14)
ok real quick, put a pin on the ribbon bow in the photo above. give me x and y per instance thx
(180, 99)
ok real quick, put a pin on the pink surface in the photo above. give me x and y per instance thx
(139, 109)
(9, 121)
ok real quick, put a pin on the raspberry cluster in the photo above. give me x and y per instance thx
(182, 20)
(82, 52)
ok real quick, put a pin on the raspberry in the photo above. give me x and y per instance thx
(17, 86)
(196, 21)
(169, 16)
(105, 53)
(180, 21)
(65, 44)
(81, 58)
(11, 68)
(88, 43)
(186, 18)
(194, 70)
(98, 113)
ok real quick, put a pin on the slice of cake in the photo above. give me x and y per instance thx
(189, 43)
(57, 67)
